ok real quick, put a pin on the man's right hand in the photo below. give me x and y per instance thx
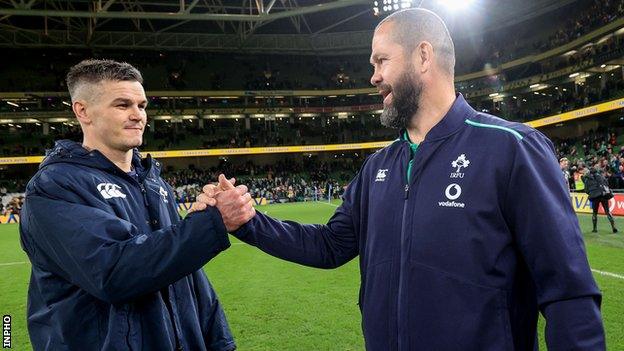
(207, 197)
(234, 203)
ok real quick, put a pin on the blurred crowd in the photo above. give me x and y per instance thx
(560, 100)
(10, 204)
(29, 140)
(601, 149)
(285, 180)
(507, 45)
(304, 178)
(274, 189)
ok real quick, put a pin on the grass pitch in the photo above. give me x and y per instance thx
(277, 305)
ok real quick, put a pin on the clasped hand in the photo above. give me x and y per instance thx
(233, 202)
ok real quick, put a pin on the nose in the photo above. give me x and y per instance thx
(376, 77)
(137, 114)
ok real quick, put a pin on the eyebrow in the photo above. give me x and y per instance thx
(375, 57)
(127, 101)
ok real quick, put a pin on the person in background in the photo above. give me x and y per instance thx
(597, 189)
(564, 164)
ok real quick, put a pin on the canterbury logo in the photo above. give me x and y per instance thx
(164, 194)
(109, 191)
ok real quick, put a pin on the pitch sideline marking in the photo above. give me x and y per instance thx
(608, 274)
(13, 263)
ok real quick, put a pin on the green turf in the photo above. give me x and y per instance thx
(276, 305)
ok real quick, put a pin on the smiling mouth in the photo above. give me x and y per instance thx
(387, 96)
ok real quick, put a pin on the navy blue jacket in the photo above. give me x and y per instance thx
(464, 256)
(113, 266)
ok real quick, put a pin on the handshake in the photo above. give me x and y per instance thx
(233, 202)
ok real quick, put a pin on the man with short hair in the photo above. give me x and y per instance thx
(113, 265)
(463, 227)
(564, 163)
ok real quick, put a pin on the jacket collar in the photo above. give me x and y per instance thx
(68, 151)
(450, 123)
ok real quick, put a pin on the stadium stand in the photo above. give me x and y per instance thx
(181, 70)
(284, 103)
(497, 74)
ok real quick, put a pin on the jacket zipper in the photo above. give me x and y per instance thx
(144, 192)
(165, 291)
(402, 256)
(167, 297)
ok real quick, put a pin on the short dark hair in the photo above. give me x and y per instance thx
(418, 24)
(95, 71)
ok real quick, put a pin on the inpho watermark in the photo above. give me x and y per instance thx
(6, 332)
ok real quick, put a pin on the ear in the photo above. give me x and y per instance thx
(423, 56)
(80, 110)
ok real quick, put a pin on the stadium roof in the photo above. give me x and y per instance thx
(226, 25)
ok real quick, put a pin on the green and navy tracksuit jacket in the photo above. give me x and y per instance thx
(462, 251)
(113, 265)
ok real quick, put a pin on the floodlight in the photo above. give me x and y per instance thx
(456, 4)
(389, 6)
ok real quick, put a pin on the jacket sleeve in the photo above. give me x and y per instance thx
(107, 256)
(321, 246)
(546, 229)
